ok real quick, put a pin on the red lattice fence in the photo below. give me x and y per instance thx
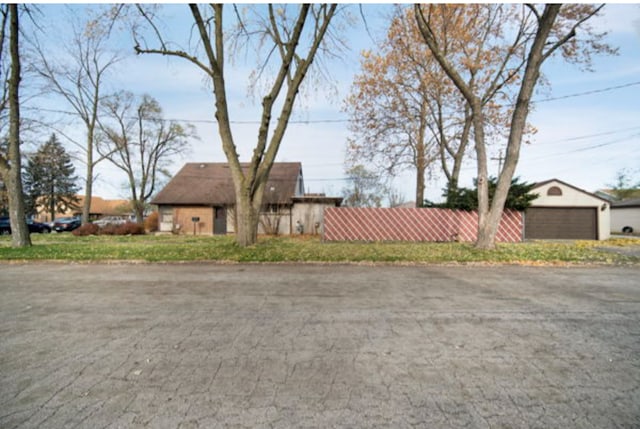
(412, 224)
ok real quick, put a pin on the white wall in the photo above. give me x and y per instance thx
(572, 197)
(625, 216)
(165, 218)
(309, 214)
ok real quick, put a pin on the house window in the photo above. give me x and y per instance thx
(554, 191)
(272, 208)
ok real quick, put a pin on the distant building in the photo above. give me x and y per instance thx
(99, 207)
(625, 216)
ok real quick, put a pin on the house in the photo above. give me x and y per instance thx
(200, 199)
(99, 207)
(563, 211)
(625, 216)
(612, 195)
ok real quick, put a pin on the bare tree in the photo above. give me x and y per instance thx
(406, 113)
(79, 78)
(365, 188)
(538, 32)
(403, 115)
(140, 142)
(291, 43)
(625, 185)
(10, 163)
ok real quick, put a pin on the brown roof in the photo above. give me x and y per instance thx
(210, 183)
(104, 207)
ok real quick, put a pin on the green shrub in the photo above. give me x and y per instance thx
(86, 229)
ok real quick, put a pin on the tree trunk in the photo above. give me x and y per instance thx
(420, 188)
(485, 239)
(421, 155)
(19, 232)
(86, 204)
(488, 224)
(420, 168)
(88, 188)
(458, 156)
(138, 209)
(247, 219)
(52, 204)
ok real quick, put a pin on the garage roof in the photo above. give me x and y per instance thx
(635, 202)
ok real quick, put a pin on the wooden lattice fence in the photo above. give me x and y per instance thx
(413, 224)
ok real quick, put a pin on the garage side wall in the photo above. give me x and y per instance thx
(625, 217)
(412, 224)
(573, 197)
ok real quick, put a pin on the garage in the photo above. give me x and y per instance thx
(564, 212)
(574, 223)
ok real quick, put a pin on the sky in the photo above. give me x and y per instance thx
(588, 122)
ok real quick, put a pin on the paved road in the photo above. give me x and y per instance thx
(199, 345)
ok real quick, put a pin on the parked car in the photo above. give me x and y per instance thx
(5, 226)
(66, 224)
(110, 220)
(39, 227)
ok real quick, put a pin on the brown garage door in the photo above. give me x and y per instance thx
(577, 223)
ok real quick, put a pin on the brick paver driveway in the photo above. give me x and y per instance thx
(199, 345)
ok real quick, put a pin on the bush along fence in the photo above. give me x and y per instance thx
(413, 224)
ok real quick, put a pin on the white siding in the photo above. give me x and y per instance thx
(625, 216)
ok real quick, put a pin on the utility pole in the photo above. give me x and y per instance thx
(499, 158)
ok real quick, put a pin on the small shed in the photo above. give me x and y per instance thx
(625, 216)
(563, 211)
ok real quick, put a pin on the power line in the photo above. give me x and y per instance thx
(583, 149)
(588, 136)
(202, 121)
(594, 91)
(569, 152)
(337, 121)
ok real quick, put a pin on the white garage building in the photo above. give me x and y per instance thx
(563, 211)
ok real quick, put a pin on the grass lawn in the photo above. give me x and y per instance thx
(173, 248)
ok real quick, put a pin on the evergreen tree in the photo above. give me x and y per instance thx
(518, 198)
(50, 180)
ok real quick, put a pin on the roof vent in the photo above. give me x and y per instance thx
(202, 166)
(554, 191)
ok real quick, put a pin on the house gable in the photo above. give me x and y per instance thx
(554, 192)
